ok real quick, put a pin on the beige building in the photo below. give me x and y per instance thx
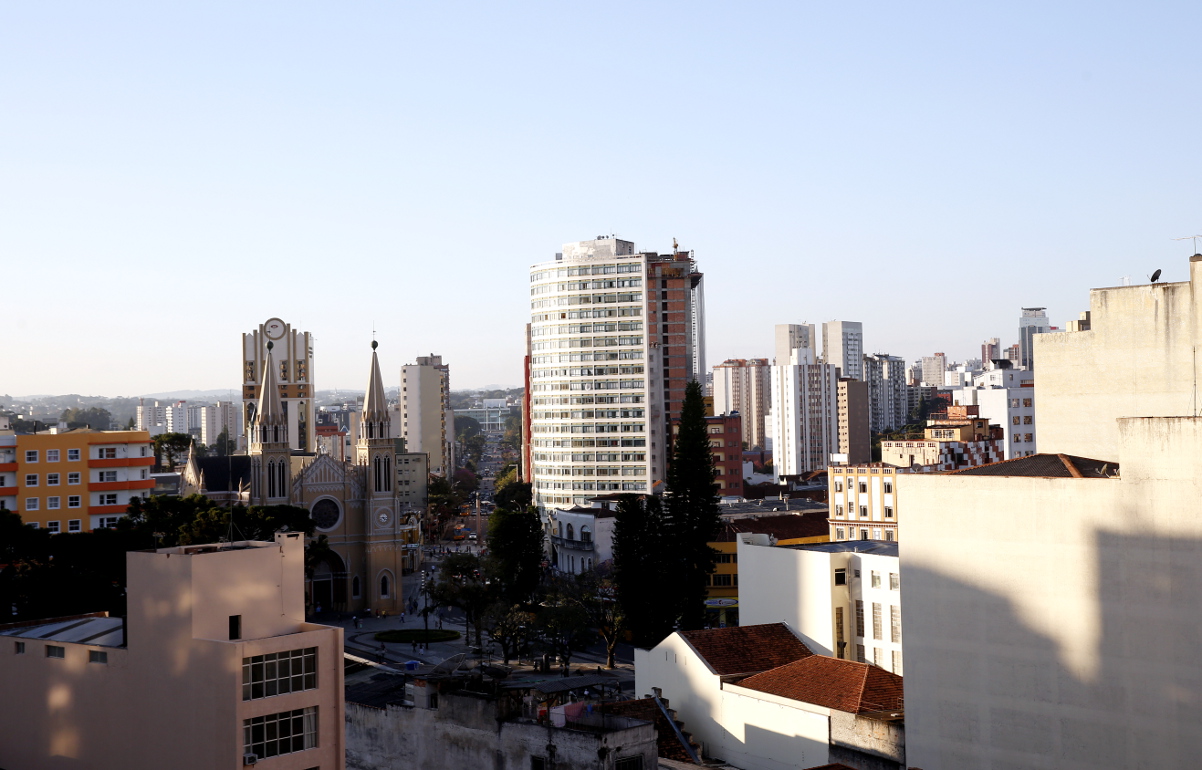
(1051, 600)
(863, 501)
(214, 666)
(427, 422)
(293, 362)
(851, 408)
(961, 438)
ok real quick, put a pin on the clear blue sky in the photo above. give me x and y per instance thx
(173, 174)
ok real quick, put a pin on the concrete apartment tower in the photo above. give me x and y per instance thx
(1032, 321)
(790, 337)
(805, 425)
(427, 422)
(855, 437)
(293, 356)
(1051, 600)
(843, 346)
(933, 369)
(888, 399)
(614, 338)
(743, 385)
(213, 666)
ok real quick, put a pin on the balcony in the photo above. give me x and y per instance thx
(572, 545)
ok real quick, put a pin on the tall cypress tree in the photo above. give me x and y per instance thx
(642, 570)
(693, 513)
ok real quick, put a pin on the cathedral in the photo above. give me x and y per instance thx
(373, 537)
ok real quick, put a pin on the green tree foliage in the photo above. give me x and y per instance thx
(92, 417)
(466, 427)
(515, 553)
(461, 584)
(170, 449)
(224, 444)
(693, 514)
(642, 570)
(510, 627)
(597, 596)
(511, 493)
(560, 621)
(512, 437)
(466, 481)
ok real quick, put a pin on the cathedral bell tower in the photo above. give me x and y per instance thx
(375, 454)
(271, 457)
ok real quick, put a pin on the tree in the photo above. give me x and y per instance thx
(694, 515)
(510, 627)
(515, 553)
(561, 623)
(510, 493)
(172, 448)
(461, 584)
(224, 445)
(641, 570)
(597, 596)
(93, 417)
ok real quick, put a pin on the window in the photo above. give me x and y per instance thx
(52, 502)
(1027, 420)
(877, 655)
(840, 644)
(355, 587)
(897, 668)
(31, 455)
(279, 673)
(894, 624)
(107, 499)
(31, 503)
(72, 501)
(1029, 437)
(839, 535)
(888, 487)
(54, 651)
(863, 486)
(889, 535)
(629, 763)
(838, 486)
(863, 511)
(538, 763)
(19, 649)
(107, 522)
(876, 579)
(106, 453)
(860, 654)
(859, 617)
(72, 478)
(74, 525)
(235, 627)
(876, 534)
(1014, 420)
(1018, 437)
(877, 630)
(1026, 402)
(283, 733)
(839, 510)
(721, 580)
(72, 454)
(31, 479)
(384, 586)
(107, 477)
(51, 455)
(52, 479)
(863, 534)
(98, 656)
(888, 511)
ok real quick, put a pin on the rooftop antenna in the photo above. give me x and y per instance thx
(1194, 238)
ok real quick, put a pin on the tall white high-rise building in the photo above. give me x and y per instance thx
(805, 428)
(427, 421)
(933, 368)
(743, 385)
(222, 416)
(790, 337)
(843, 346)
(888, 402)
(615, 336)
(1032, 321)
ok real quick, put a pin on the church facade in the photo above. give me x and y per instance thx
(371, 536)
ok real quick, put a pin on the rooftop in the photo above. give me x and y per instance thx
(1043, 465)
(879, 547)
(843, 685)
(782, 526)
(746, 649)
(96, 629)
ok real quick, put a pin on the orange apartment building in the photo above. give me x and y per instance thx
(75, 481)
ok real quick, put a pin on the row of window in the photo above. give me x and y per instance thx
(571, 315)
(590, 385)
(588, 299)
(1026, 420)
(591, 486)
(878, 658)
(878, 628)
(597, 355)
(588, 457)
(60, 652)
(284, 733)
(623, 398)
(566, 272)
(863, 485)
(875, 577)
(590, 342)
(584, 443)
(1025, 402)
(850, 534)
(73, 455)
(863, 511)
(54, 479)
(54, 502)
(593, 328)
(1020, 438)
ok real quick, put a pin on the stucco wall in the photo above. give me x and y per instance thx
(791, 586)
(1053, 623)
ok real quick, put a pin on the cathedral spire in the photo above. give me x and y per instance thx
(270, 423)
(375, 406)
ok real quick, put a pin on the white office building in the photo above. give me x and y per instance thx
(843, 346)
(805, 425)
(744, 386)
(1005, 397)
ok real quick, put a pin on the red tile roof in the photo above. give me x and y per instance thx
(843, 685)
(747, 649)
(1044, 465)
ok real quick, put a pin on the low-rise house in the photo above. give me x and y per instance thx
(757, 698)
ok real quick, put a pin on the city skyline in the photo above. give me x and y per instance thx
(824, 163)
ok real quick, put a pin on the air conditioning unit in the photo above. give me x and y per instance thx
(250, 759)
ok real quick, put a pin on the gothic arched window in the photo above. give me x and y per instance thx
(384, 586)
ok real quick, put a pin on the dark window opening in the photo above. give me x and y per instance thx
(235, 627)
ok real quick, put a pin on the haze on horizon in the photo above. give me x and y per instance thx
(172, 177)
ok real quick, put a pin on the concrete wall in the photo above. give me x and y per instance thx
(463, 734)
(1052, 623)
(791, 586)
(1137, 359)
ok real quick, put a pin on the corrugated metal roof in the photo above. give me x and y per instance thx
(98, 631)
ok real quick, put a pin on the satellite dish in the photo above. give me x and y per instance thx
(1156, 276)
